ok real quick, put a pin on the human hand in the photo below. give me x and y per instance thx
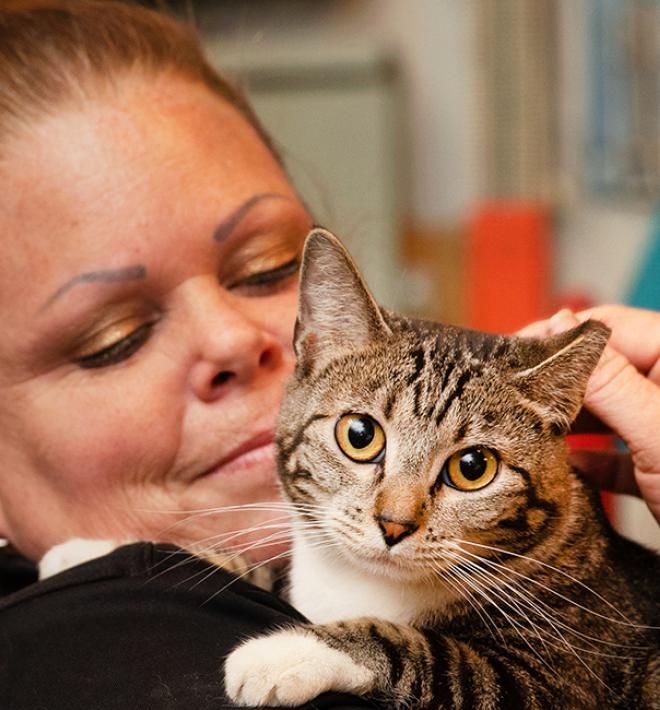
(623, 395)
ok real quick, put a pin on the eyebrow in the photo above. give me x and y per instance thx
(138, 271)
(227, 226)
(128, 273)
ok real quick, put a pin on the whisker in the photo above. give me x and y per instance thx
(225, 537)
(276, 506)
(188, 558)
(268, 541)
(275, 538)
(270, 560)
(536, 605)
(565, 644)
(626, 621)
(221, 539)
(454, 582)
(512, 622)
(476, 569)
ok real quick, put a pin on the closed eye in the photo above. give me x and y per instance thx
(118, 351)
(268, 280)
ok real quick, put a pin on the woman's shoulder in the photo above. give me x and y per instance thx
(145, 626)
(142, 571)
(16, 571)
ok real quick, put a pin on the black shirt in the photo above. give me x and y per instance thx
(146, 627)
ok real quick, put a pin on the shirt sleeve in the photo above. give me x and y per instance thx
(147, 628)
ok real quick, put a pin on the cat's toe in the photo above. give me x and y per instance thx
(289, 668)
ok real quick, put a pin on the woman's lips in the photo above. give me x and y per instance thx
(253, 454)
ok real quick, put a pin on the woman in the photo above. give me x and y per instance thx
(147, 299)
(149, 290)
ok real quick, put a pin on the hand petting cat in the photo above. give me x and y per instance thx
(624, 394)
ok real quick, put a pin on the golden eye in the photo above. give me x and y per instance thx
(471, 469)
(360, 437)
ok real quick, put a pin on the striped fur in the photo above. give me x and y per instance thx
(517, 595)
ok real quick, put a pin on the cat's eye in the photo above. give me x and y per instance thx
(360, 437)
(471, 469)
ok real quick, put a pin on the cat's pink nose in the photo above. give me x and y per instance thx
(395, 530)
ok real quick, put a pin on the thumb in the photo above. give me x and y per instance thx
(629, 404)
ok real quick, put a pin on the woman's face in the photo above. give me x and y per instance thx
(150, 245)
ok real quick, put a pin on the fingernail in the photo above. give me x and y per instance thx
(562, 320)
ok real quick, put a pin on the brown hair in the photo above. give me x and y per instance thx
(57, 51)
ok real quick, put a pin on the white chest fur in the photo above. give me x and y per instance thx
(326, 588)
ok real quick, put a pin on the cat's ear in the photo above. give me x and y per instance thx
(558, 369)
(335, 309)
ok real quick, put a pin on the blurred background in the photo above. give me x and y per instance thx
(486, 161)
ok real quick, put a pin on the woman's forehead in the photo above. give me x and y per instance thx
(170, 134)
(115, 175)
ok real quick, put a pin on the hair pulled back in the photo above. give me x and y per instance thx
(57, 52)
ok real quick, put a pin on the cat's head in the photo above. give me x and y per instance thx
(400, 437)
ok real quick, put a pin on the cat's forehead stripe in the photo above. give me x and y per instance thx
(455, 394)
(419, 361)
(389, 403)
(290, 447)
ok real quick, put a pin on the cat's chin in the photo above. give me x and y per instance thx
(361, 581)
(384, 564)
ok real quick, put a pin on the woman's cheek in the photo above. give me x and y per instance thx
(280, 318)
(126, 433)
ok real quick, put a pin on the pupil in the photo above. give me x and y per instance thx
(361, 433)
(473, 465)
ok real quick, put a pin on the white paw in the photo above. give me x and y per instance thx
(74, 552)
(290, 668)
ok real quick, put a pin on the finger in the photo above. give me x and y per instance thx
(623, 399)
(610, 470)
(538, 329)
(635, 333)
(654, 373)
(649, 487)
(629, 403)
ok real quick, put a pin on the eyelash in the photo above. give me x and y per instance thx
(119, 351)
(270, 278)
(128, 346)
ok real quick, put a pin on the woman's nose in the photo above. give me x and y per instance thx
(234, 348)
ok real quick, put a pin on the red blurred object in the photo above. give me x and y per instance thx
(596, 441)
(508, 266)
(574, 299)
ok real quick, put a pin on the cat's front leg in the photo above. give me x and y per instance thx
(362, 656)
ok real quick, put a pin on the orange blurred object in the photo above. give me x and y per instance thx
(508, 266)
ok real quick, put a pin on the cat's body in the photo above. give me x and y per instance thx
(568, 670)
(445, 551)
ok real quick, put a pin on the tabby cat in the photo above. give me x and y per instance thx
(445, 552)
